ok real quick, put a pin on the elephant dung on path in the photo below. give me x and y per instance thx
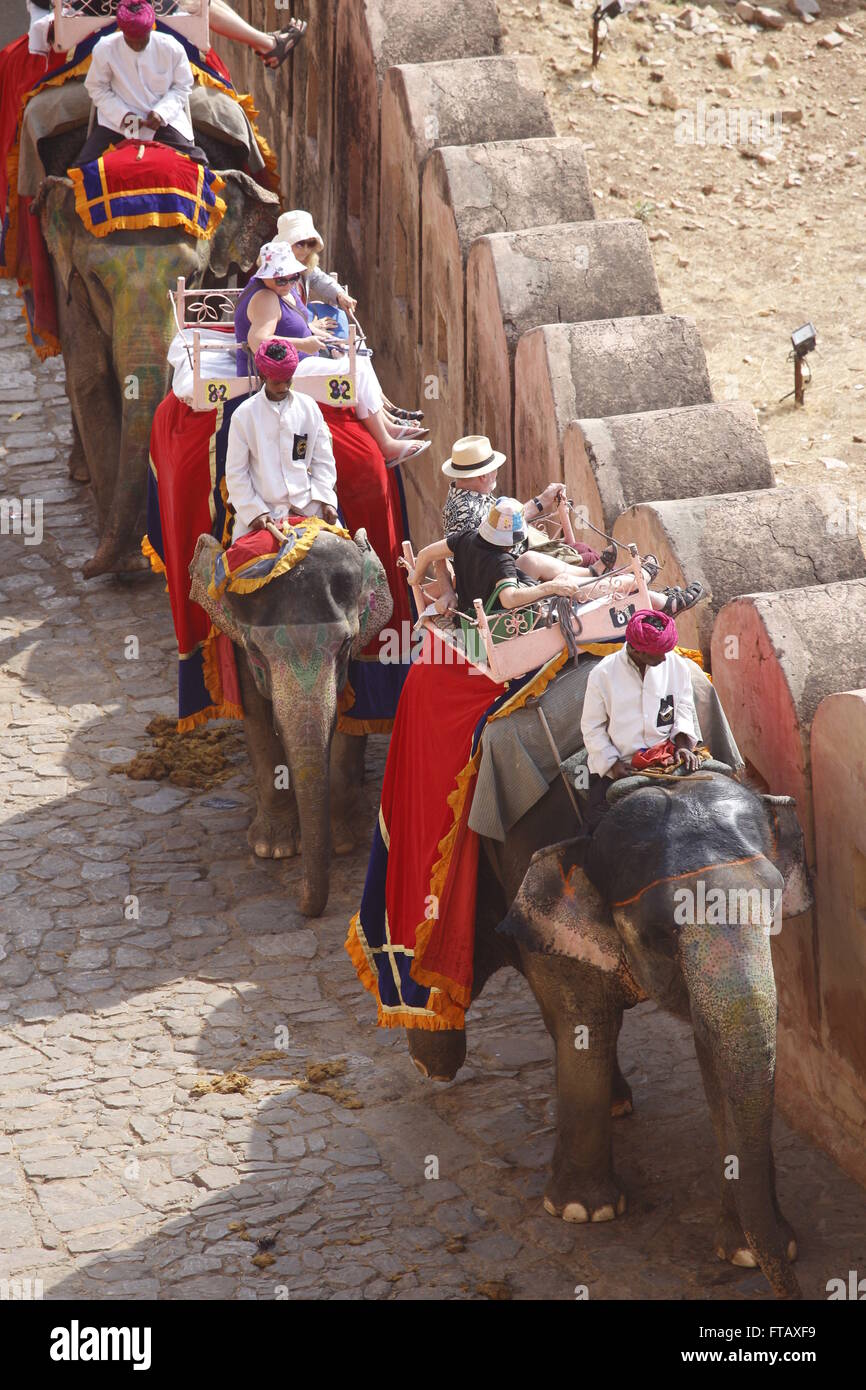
(598, 927)
(116, 323)
(294, 638)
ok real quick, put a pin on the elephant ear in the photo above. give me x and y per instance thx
(558, 912)
(375, 604)
(789, 853)
(201, 574)
(250, 220)
(55, 205)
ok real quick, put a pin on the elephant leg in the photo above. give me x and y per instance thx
(347, 776)
(730, 1241)
(92, 392)
(275, 831)
(78, 469)
(582, 1013)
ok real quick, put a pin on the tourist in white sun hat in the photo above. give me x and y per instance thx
(297, 230)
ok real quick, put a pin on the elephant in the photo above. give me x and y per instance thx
(293, 641)
(115, 322)
(596, 926)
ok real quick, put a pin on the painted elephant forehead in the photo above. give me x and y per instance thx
(659, 835)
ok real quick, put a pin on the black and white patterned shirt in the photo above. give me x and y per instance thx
(464, 510)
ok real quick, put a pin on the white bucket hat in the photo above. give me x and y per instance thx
(297, 226)
(471, 457)
(504, 524)
(275, 258)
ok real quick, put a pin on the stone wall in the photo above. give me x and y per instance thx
(496, 302)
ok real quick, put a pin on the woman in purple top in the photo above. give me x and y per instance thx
(270, 307)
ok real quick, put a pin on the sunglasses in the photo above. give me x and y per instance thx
(311, 241)
(286, 279)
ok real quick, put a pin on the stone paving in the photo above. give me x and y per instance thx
(117, 1178)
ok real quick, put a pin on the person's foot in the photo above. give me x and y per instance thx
(284, 41)
(402, 453)
(678, 600)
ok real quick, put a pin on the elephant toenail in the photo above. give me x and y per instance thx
(792, 1250)
(575, 1211)
(605, 1213)
(744, 1259)
(621, 1204)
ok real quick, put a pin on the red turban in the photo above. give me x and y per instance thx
(276, 361)
(651, 632)
(135, 18)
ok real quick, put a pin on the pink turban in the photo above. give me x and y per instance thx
(651, 632)
(135, 18)
(276, 361)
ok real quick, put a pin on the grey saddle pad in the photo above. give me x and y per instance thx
(517, 765)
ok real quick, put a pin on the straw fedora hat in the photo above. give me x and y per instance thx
(472, 456)
(296, 226)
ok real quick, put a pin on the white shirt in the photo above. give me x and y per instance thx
(279, 457)
(622, 713)
(157, 79)
(40, 23)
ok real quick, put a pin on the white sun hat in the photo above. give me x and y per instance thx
(504, 524)
(276, 259)
(471, 457)
(296, 226)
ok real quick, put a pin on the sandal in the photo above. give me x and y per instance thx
(409, 432)
(678, 600)
(411, 449)
(607, 561)
(402, 414)
(284, 41)
(650, 565)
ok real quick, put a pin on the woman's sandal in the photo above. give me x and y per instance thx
(284, 41)
(606, 561)
(678, 600)
(408, 432)
(410, 450)
(400, 413)
(650, 565)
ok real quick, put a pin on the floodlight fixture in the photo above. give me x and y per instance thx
(803, 341)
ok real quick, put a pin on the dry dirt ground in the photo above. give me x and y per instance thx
(749, 239)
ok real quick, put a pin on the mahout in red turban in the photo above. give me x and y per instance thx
(651, 632)
(276, 361)
(135, 18)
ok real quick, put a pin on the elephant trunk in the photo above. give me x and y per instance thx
(305, 724)
(732, 993)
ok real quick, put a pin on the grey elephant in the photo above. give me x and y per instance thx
(294, 638)
(598, 926)
(116, 321)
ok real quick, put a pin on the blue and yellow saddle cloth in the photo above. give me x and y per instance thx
(136, 185)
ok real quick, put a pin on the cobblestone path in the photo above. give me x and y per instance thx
(116, 1178)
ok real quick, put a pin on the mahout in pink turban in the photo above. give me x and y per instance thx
(135, 18)
(276, 361)
(651, 632)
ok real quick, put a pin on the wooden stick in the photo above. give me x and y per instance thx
(555, 751)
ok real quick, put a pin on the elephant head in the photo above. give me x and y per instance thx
(298, 634)
(116, 323)
(680, 890)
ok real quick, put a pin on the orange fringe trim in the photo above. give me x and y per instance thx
(156, 564)
(457, 801)
(387, 1018)
(194, 721)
